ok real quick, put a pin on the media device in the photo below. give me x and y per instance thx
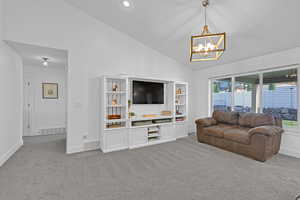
(147, 92)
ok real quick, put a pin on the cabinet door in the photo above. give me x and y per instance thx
(116, 140)
(138, 136)
(167, 132)
(181, 130)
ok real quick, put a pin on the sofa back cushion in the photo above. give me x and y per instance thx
(226, 117)
(255, 119)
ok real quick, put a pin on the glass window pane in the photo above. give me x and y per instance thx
(246, 92)
(222, 94)
(280, 95)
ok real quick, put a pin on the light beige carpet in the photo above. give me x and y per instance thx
(181, 170)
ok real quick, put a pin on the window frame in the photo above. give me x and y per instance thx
(260, 73)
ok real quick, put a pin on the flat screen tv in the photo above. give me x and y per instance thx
(147, 92)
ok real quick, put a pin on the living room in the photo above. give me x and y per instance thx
(122, 146)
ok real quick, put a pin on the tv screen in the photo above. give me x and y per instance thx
(147, 92)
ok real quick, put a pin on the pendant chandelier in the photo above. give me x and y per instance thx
(207, 46)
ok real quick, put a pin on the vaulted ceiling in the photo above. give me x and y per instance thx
(254, 27)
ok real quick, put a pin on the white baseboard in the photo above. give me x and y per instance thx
(114, 149)
(91, 145)
(39, 134)
(182, 136)
(290, 152)
(75, 149)
(151, 143)
(10, 152)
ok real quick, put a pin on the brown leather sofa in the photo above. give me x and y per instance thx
(257, 136)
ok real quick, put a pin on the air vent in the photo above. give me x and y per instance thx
(52, 131)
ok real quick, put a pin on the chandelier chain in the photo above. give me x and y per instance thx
(205, 3)
(205, 16)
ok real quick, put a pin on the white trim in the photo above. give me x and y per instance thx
(152, 143)
(292, 132)
(114, 149)
(290, 152)
(232, 93)
(261, 85)
(271, 69)
(182, 136)
(92, 145)
(210, 97)
(149, 79)
(51, 127)
(75, 149)
(11, 152)
(298, 92)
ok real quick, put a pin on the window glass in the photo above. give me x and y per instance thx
(280, 95)
(222, 94)
(246, 92)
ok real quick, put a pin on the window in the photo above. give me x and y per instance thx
(280, 95)
(274, 92)
(246, 92)
(222, 94)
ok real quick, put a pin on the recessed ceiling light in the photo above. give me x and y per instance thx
(126, 4)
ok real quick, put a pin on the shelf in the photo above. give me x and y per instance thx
(180, 104)
(153, 135)
(151, 132)
(180, 121)
(115, 106)
(111, 129)
(134, 119)
(115, 120)
(118, 92)
(180, 94)
(150, 125)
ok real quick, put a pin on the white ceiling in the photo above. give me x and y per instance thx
(254, 27)
(32, 55)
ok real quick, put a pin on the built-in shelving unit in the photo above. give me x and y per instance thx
(150, 124)
(181, 102)
(153, 133)
(115, 102)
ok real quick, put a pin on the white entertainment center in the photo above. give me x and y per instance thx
(126, 125)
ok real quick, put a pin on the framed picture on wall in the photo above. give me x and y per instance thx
(50, 90)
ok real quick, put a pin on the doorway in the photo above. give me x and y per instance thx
(44, 94)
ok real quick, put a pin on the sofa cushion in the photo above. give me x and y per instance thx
(226, 117)
(255, 120)
(216, 131)
(205, 122)
(238, 134)
(266, 130)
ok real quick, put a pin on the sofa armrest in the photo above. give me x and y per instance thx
(206, 122)
(266, 130)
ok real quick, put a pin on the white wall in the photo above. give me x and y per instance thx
(46, 113)
(10, 98)
(200, 101)
(94, 49)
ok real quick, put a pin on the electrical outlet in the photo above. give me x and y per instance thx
(85, 136)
